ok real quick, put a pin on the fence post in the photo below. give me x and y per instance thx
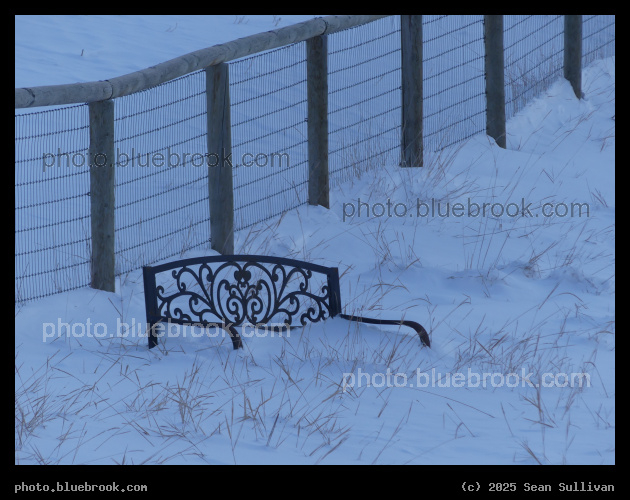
(102, 169)
(411, 79)
(317, 96)
(495, 77)
(573, 52)
(220, 192)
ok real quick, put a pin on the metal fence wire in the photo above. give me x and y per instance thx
(161, 177)
(534, 48)
(161, 182)
(269, 134)
(52, 203)
(598, 38)
(364, 98)
(454, 99)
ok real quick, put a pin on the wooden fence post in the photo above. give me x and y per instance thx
(317, 96)
(573, 52)
(102, 167)
(411, 79)
(495, 78)
(220, 192)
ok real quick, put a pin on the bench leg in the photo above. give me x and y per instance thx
(237, 342)
(153, 339)
(236, 338)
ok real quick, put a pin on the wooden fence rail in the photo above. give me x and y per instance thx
(150, 77)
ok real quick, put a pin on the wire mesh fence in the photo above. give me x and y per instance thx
(364, 98)
(454, 86)
(52, 203)
(534, 48)
(161, 181)
(598, 38)
(269, 134)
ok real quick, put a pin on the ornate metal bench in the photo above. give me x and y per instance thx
(234, 290)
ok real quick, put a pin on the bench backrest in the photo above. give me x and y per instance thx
(240, 289)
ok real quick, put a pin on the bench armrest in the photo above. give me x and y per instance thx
(422, 333)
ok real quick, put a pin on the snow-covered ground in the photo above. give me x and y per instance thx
(54, 50)
(519, 307)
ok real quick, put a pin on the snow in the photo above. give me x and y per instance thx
(54, 50)
(500, 295)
